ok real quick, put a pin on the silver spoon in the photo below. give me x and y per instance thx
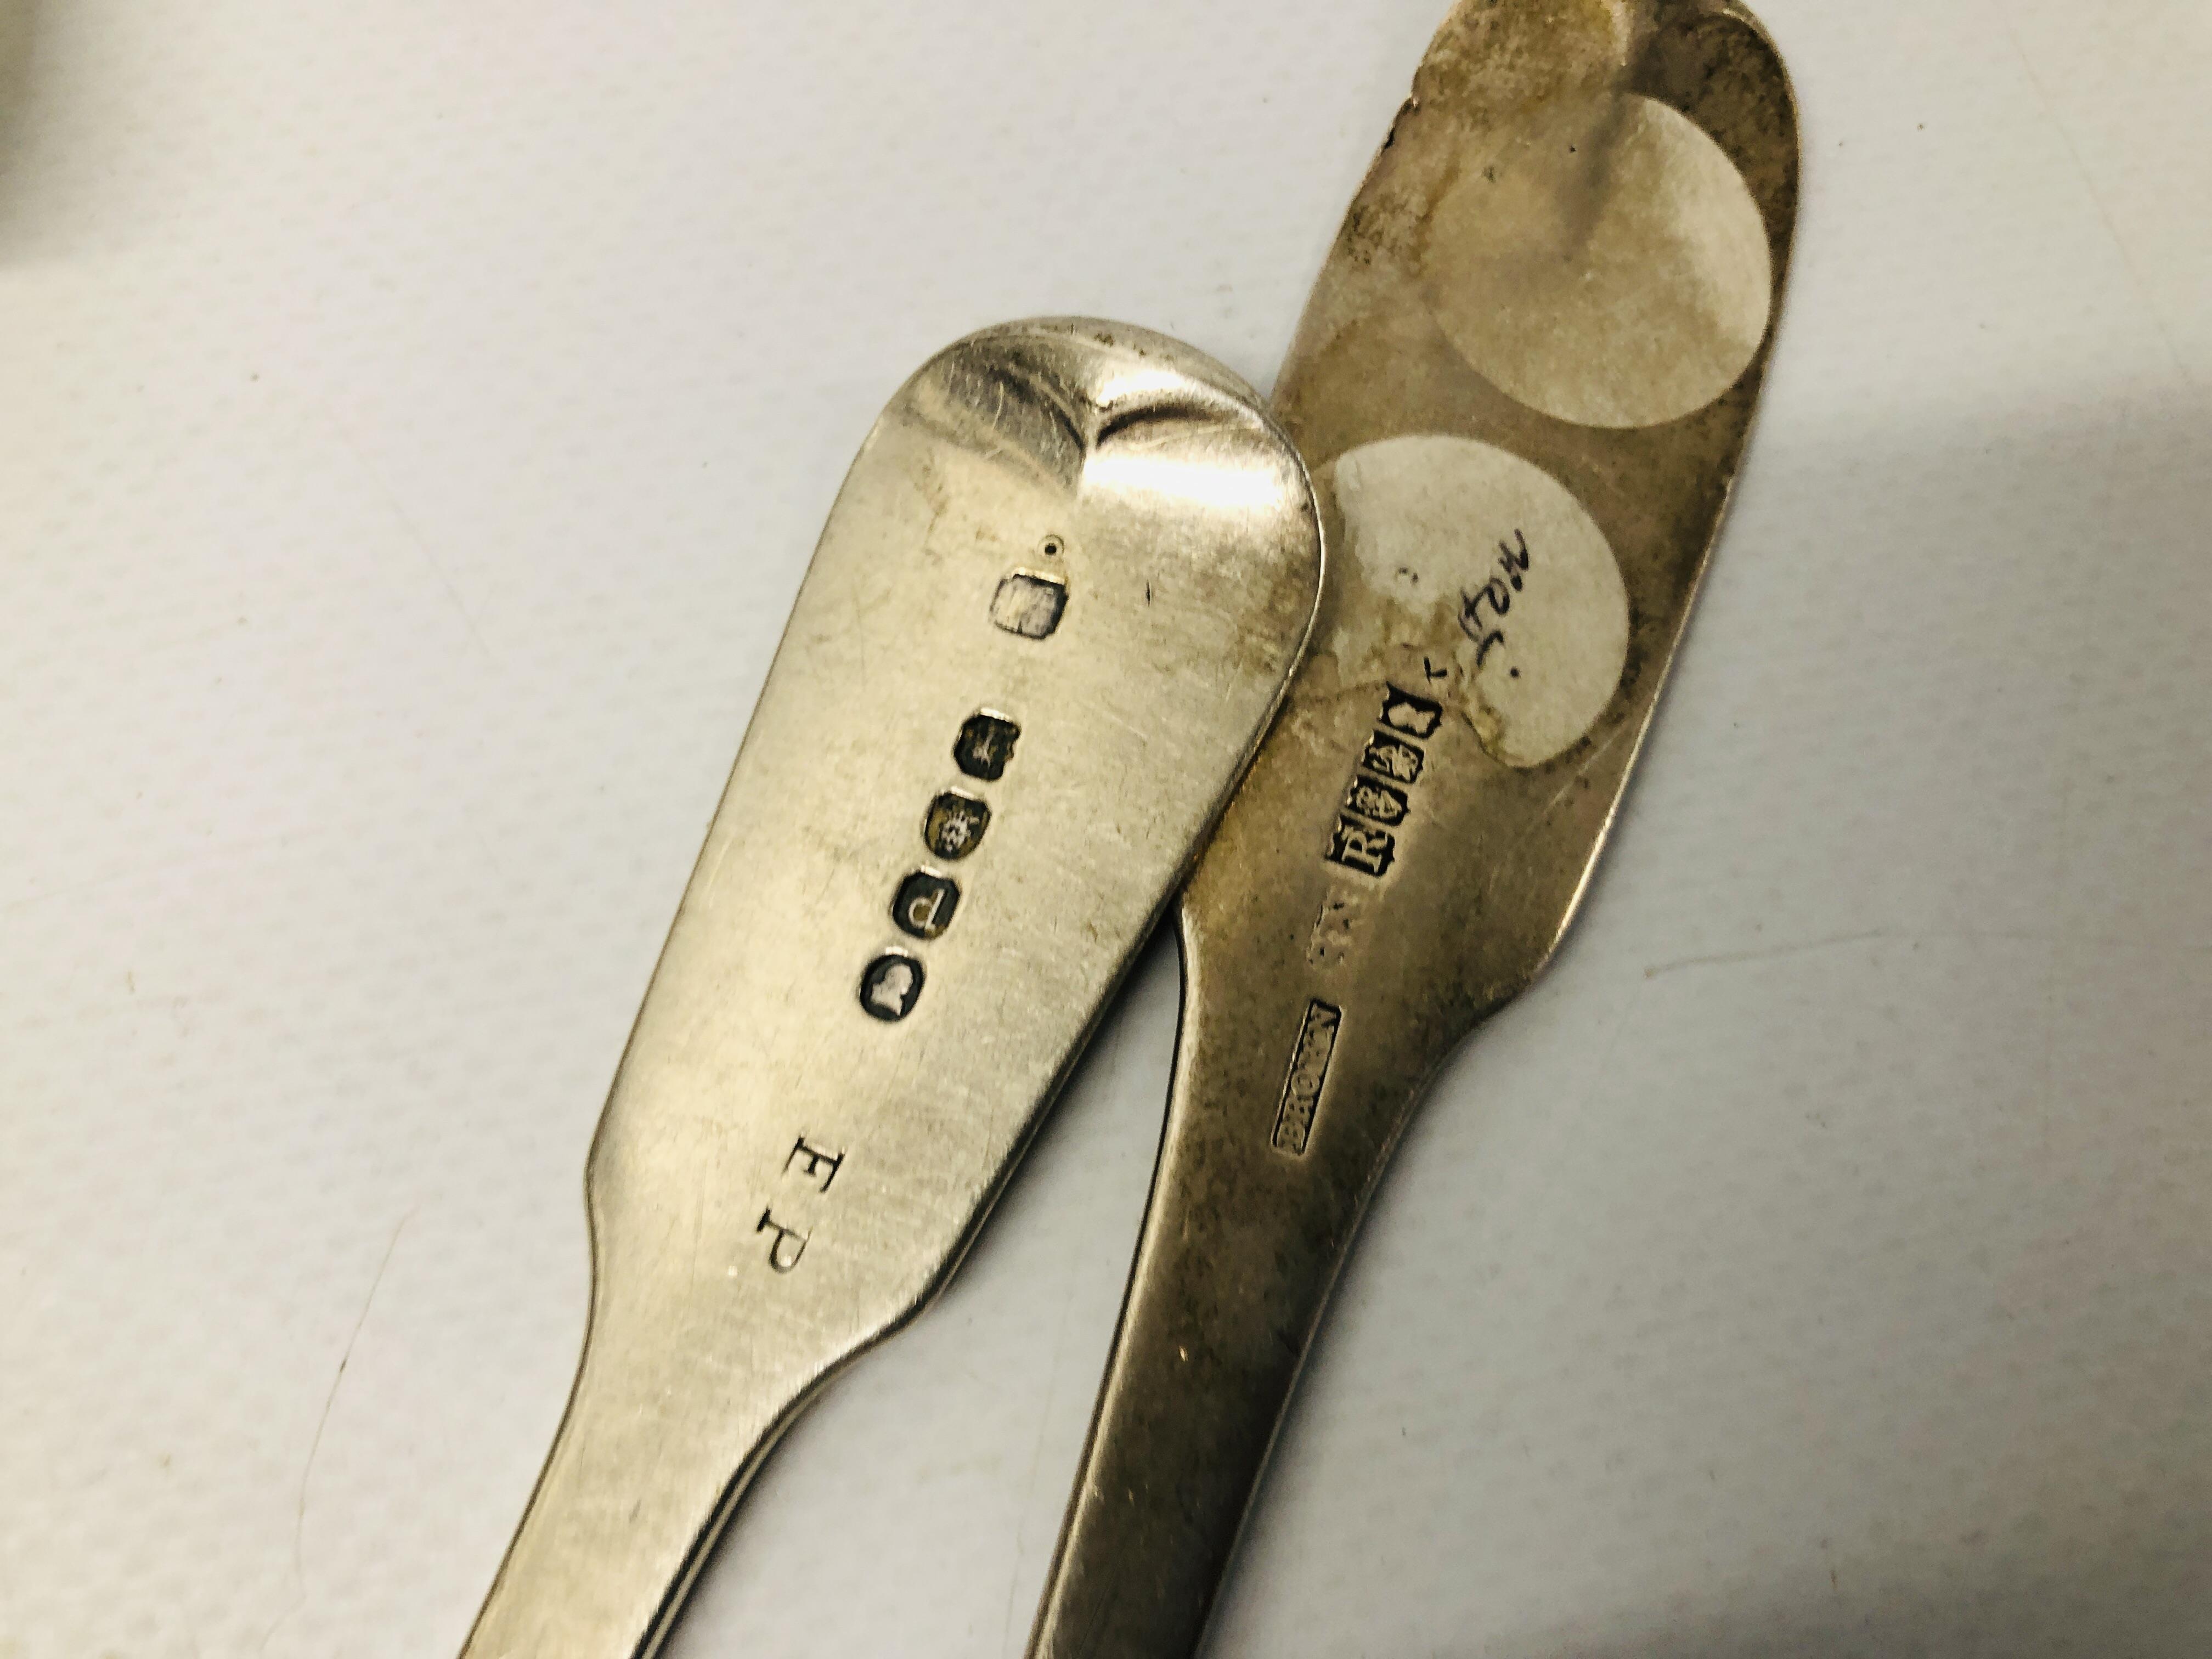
(1524, 383)
(1054, 608)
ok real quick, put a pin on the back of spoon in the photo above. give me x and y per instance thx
(1053, 609)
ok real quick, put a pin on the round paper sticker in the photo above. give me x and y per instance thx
(1607, 267)
(1504, 589)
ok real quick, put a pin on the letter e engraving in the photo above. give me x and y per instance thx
(817, 1161)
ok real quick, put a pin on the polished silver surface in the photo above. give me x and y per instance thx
(1054, 608)
(1524, 383)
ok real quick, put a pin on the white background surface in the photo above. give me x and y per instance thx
(417, 418)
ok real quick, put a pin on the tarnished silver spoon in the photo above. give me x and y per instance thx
(1524, 384)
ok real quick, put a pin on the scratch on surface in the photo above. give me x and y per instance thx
(1105, 713)
(1804, 947)
(315, 1446)
(414, 535)
(306, 1474)
(2143, 295)
(2069, 938)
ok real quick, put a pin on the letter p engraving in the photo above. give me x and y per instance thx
(787, 1246)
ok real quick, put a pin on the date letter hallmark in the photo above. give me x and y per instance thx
(924, 905)
(1378, 803)
(1316, 1046)
(1497, 593)
(1356, 845)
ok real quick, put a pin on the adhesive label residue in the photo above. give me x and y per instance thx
(1497, 589)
